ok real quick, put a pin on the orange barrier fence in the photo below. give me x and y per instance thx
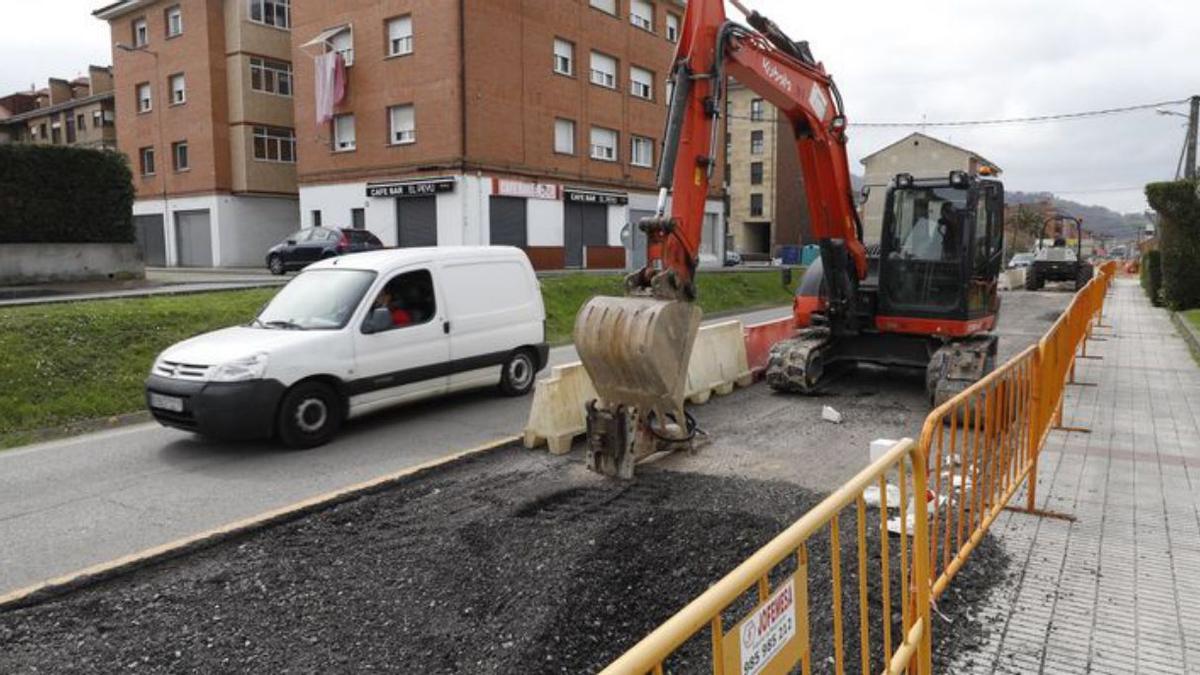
(974, 453)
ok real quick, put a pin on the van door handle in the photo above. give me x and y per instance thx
(446, 327)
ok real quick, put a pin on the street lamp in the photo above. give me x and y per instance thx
(158, 106)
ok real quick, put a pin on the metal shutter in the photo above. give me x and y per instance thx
(193, 238)
(508, 221)
(151, 239)
(416, 221)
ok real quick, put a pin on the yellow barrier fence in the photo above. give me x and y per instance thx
(974, 453)
(779, 631)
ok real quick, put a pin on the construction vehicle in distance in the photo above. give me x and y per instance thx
(1059, 262)
(927, 300)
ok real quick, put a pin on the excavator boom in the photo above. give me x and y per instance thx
(636, 348)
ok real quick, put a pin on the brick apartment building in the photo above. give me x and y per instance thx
(534, 123)
(203, 92)
(76, 112)
(767, 204)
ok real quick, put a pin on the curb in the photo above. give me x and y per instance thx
(89, 576)
(1190, 335)
(162, 291)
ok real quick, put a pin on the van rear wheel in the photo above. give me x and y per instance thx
(518, 374)
(310, 415)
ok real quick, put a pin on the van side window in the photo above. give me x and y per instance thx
(409, 298)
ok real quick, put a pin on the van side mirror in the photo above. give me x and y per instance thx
(379, 320)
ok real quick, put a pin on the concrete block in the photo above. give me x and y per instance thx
(43, 263)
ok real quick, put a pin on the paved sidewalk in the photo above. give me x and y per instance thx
(1118, 590)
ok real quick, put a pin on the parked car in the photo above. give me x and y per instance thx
(1020, 260)
(316, 243)
(350, 335)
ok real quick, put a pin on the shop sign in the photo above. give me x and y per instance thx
(411, 188)
(594, 196)
(505, 187)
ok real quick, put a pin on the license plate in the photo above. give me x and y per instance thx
(171, 403)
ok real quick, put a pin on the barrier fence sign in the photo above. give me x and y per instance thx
(769, 640)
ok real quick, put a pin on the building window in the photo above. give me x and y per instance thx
(174, 17)
(316, 217)
(179, 156)
(756, 142)
(97, 118)
(756, 110)
(147, 158)
(141, 33)
(178, 89)
(608, 6)
(400, 36)
(641, 14)
(343, 133)
(358, 218)
(343, 43)
(55, 133)
(144, 104)
(604, 144)
(404, 126)
(564, 57)
(641, 83)
(79, 122)
(276, 13)
(71, 131)
(642, 152)
(672, 27)
(273, 77)
(272, 144)
(756, 205)
(564, 136)
(604, 70)
(756, 173)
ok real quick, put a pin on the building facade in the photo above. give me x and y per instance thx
(204, 97)
(767, 204)
(535, 124)
(917, 154)
(77, 113)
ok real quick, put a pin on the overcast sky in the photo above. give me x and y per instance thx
(901, 61)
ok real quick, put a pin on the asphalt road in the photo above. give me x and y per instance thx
(69, 504)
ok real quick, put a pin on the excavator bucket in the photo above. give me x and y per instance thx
(636, 350)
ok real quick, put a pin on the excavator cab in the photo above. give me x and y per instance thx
(941, 250)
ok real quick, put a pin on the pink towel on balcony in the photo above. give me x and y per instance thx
(330, 79)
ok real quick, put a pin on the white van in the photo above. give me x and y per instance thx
(354, 334)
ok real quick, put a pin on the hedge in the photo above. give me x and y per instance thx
(64, 195)
(1151, 274)
(1178, 207)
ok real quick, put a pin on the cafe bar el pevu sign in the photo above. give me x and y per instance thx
(411, 188)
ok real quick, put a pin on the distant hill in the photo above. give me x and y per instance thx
(1096, 219)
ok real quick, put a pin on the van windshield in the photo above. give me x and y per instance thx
(316, 300)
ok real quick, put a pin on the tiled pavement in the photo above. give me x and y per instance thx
(1118, 589)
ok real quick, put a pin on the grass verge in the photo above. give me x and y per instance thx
(70, 362)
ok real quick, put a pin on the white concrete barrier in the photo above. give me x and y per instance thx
(718, 362)
(558, 412)
(1013, 280)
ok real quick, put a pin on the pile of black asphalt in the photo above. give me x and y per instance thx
(512, 562)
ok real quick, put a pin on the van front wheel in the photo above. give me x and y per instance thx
(519, 372)
(311, 413)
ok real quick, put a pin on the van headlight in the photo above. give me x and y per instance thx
(251, 368)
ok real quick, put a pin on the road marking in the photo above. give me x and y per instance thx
(64, 583)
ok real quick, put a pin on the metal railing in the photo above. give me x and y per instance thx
(975, 452)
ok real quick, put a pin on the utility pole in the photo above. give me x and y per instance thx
(1189, 169)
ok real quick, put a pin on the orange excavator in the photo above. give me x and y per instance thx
(926, 299)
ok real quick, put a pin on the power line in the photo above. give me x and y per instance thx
(1035, 119)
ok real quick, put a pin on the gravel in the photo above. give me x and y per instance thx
(512, 562)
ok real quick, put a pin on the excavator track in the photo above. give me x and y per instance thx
(797, 364)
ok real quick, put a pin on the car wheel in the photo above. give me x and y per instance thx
(310, 415)
(275, 264)
(520, 370)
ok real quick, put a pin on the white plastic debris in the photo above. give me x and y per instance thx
(830, 415)
(893, 524)
(871, 497)
(880, 447)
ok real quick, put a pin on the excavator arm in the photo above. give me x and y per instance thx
(636, 348)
